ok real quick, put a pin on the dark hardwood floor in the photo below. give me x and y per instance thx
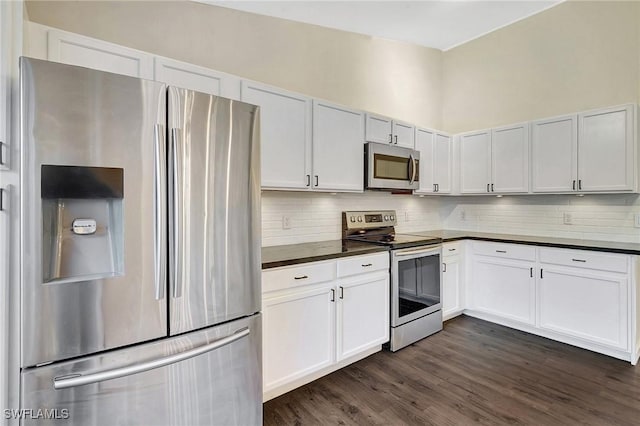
(472, 372)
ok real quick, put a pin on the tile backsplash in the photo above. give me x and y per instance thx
(317, 216)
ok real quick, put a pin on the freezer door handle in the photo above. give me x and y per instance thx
(66, 382)
(176, 224)
(160, 203)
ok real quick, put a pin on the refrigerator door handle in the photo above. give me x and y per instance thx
(70, 381)
(176, 225)
(160, 203)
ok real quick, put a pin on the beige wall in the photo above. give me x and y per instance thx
(391, 78)
(575, 56)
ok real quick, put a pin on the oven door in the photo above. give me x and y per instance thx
(391, 167)
(416, 289)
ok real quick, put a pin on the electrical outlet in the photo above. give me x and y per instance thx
(567, 218)
(463, 215)
(637, 220)
(406, 216)
(286, 222)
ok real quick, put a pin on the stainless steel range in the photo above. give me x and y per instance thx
(416, 273)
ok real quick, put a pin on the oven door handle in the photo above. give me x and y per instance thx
(430, 250)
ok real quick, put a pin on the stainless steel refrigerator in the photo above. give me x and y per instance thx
(140, 252)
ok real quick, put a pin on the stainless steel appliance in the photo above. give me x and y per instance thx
(416, 273)
(389, 167)
(141, 251)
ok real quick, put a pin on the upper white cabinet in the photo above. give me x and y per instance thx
(554, 144)
(510, 159)
(475, 162)
(495, 161)
(285, 125)
(193, 77)
(606, 156)
(74, 49)
(385, 130)
(592, 151)
(435, 161)
(338, 148)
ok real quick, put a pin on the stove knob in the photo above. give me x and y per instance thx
(353, 218)
(386, 218)
(392, 217)
(359, 218)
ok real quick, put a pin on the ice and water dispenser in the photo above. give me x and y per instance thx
(82, 223)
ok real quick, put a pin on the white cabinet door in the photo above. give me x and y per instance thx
(442, 169)
(505, 288)
(605, 149)
(338, 148)
(298, 334)
(378, 129)
(403, 134)
(510, 158)
(363, 313)
(74, 49)
(285, 125)
(451, 287)
(475, 162)
(193, 77)
(425, 144)
(554, 144)
(586, 304)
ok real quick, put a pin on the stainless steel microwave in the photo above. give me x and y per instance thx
(389, 167)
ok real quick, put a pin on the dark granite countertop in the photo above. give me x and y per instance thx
(275, 256)
(293, 254)
(569, 243)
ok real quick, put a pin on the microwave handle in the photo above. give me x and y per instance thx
(412, 168)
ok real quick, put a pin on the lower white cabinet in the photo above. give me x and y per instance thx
(452, 281)
(505, 288)
(298, 334)
(321, 316)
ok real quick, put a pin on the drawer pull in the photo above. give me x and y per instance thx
(367, 265)
(452, 249)
(579, 260)
(303, 277)
(501, 251)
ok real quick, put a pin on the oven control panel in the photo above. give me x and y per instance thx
(368, 219)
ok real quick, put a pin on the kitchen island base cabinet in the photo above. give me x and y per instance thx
(321, 316)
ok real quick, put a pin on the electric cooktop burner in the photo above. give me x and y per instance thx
(377, 227)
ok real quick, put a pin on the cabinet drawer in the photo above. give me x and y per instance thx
(505, 251)
(363, 264)
(451, 249)
(585, 259)
(298, 275)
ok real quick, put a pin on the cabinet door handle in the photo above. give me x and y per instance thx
(579, 260)
(573, 186)
(366, 265)
(452, 249)
(434, 188)
(437, 187)
(580, 184)
(1, 199)
(302, 277)
(396, 137)
(333, 295)
(531, 272)
(501, 251)
(488, 188)
(492, 188)
(317, 180)
(2, 144)
(308, 180)
(444, 267)
(341, 292)
(541, 276)
(390, 137)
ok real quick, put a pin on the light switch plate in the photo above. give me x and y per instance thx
(286, 222)
(567, 218)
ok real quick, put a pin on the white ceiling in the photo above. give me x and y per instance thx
(439, 24)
